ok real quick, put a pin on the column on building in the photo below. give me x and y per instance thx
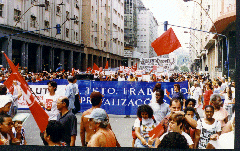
(7, 48)
(70, 60)
(62, 58)
(39, 59)
(51, 59)
(78, 65)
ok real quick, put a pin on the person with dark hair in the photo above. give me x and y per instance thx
(54, 133)
(189, 111)
(178, 94)
(49, 102)
(207, 128)
(160, 108)
(6, 134)
(143, 125)
(68, 120)
(174, 140)
(85, 127)
(155, 88)
(192, 103)
(176, 124)
(71, 91)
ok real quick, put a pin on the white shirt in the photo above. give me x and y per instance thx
(51, 101)
(206, 131)
(225, 141)
(159, 111)
(188, 138)
(146, 127)
(197, 91)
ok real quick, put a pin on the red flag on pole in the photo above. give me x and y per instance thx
(37, 111)
(95, 67)
(9, 83)
(166, 43)
(106, 67)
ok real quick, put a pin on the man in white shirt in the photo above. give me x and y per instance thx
(196, 93)
(49, 102)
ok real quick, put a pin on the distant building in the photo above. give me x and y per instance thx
(147, 31)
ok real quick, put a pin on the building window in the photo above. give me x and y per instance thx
(67, 32)
(58, 10)
(96, 41)
(105, 44)
(46, 25)
(33, 21)
(67, 15)
(17, 14)
(76, 36)
(1, 10)
(46, 5)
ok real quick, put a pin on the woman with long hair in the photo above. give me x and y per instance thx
(143, 125)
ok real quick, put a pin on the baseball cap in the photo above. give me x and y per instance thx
(98, 114)
(4, 100)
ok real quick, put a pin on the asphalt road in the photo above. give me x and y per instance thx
(122, 127)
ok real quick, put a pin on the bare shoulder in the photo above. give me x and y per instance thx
(87, 112)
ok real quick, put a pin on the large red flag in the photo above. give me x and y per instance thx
(166, 43)
(106, 67)
(37, 111)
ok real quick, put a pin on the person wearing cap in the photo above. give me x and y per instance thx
(71, 91)
(68, 120)
(104, 137)
(96, 100)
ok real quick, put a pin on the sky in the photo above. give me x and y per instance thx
(176, 12)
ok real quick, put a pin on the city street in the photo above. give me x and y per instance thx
(122, 127)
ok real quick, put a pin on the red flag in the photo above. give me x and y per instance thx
(100, 69)
(166, 43)
(9, 83)
(89, 69)
(134, 67)
(106, 67)
(37, 111)
(158, 131)
(72, 71)
(95, 67)
(151, 71)
(167, 92)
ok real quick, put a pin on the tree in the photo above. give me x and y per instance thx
(176, 68)
(184, 69)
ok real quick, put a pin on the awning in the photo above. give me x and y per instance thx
(223, 21)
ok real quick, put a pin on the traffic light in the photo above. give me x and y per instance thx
(58, 27)
(165, 25)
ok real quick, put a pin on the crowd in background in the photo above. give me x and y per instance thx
(216, 97)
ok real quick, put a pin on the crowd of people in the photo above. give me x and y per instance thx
(180, 123)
